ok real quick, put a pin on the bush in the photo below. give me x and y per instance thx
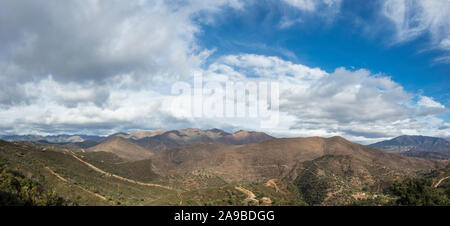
(417, 192)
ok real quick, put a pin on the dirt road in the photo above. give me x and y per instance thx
(250, 196)
(440, 181)
(84, 189)
(119, 177)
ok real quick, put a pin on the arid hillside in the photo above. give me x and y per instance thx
(123, 148)
(276, 158)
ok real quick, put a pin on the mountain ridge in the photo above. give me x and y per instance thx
(123, 148)
(418, 146)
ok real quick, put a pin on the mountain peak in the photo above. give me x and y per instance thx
(415, 145)
(245, 137)
(123, 148)
(146, 133)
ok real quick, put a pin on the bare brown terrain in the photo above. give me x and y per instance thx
(123, 148)
(244, 137)
(286, 171)
(276, 158)
(146, 133)
(183, 137)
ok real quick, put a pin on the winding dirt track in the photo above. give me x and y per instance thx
(126, 179)
(119, 177)
(250, 195)
(440, 181)
(55, 174)
(84, 189)
(272, 183)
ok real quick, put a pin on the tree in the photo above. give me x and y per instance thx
(417, 192)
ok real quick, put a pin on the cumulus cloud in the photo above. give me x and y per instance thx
(96, 40)
(355, 104)
(99, 67)
(413, 18)
(428, 102)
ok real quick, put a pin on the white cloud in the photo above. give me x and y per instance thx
(413, 18)
(95, 40)
(287, 23)
(308, 5)
(445, 44)
(101, 68)
(428, 102)
(312, 5)
(355, 104)
(326, 10)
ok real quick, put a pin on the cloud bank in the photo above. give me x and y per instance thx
(99, 67)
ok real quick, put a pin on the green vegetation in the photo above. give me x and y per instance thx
(418, 192)
(380, 200)
(287, 195)
(313, 187)
(137, 170)
(325, 180)
(32, 174)
(83, 185)
(18, 190)
(223, 196)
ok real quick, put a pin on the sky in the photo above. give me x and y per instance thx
(367, 71)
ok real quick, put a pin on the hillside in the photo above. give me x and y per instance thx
(288, 171)
(57, 139)
(123, 148)
(244, 137)
(56, 171)
(176, 138)
(146, 133)
(416, 146)
(71, 181)
(274, 158)
(327, 171)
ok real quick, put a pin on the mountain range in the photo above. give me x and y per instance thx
(51, 139)
(417, 146)
(213, 167)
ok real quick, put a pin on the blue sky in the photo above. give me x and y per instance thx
(366, 71)
(329, 45)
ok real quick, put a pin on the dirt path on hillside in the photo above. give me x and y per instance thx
(180, 197)
(119, 177)
(84, 189)
(92, 193)
(250, 196)
(331, 194)
(271, 183)
(440, 181)
(55, 174)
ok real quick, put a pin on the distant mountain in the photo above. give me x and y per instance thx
(146, 133)
(120, 134)
(81, 145)
(244, 137)
(417, 146)
(123, 148)
(176, 138)
(56, 139)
